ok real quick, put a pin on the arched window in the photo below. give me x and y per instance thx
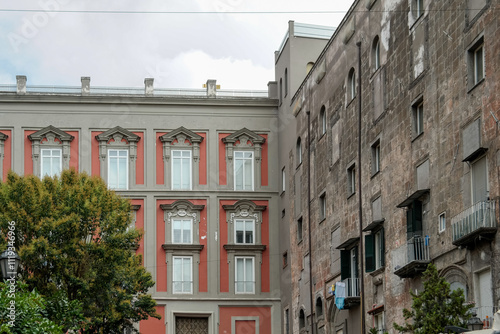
(322, 118)
(281, 90)
(298, 151)
(376, 53)
(302, 319)
(319, 307)
(286, 81)
(351, 85)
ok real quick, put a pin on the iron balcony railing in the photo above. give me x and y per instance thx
(481, 214)
(351, 287)
(415, 249)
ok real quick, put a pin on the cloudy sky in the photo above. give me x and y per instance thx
(179, 43)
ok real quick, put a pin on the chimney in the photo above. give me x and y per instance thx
(148, 86)
(21, 84)
(272, 90)
(211, 88)
(85, 85)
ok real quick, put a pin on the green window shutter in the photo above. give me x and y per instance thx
(382, 247)
(356, 262)
(369, 253)
(409, 222)
(345, 267)
(417, 218)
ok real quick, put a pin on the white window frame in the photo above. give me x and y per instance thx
(50, 157)
(244, 221)
(245, 278)
(351, 180)
(126, 158)
(478, 76)
(442, 222)
(418, 118)
(190, 172)
(244, 171)
(183, 258)
(379, 322)
(181, 241)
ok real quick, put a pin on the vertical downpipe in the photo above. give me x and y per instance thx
(311, 288)
(360, 204)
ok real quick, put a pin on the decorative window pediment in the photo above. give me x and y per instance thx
(118, 153)
(244, 209)
(50, 137)
(180, 209)
(243, 159)
(187, 142)
(242, 139)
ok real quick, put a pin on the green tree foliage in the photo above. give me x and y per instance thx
(72, 235)
(24, 312)
(435, 307)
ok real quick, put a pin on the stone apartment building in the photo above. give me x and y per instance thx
(390, 161)
(198, 167)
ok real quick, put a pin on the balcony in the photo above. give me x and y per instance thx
(351, 292)
(412, 258)
(475, 223)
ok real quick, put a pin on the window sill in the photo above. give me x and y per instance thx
(350, 101)
(351, 195)
(377, 271)
(322, 220)
(183, 247)
(298, 166)
(244, 247)
(299, 242)
(476, 85)
(417, 136)
(375, 174)
(321, 136)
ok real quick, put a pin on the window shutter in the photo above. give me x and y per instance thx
(382, 247)
(356, 262)
(345, 267)
(417, 218)
(409, 222)
(370, 252)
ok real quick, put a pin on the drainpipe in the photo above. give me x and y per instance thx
(311, 289)
(360, 204)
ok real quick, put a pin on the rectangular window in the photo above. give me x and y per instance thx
(243, 170)
(244, 231)
(244, 275)
(379, 322)
(419, 8)
(287, 321)
(442, 222)
(299, 230)
(414, 220)
(51, 162)
(322, 207)
(376, 157)
(181, 169)
(351, 180)
(118, 169)
(374, 250)
(478, 64)
(418, 118)
(182, 231)
(182, 273)
(349, 271)
(285, 259)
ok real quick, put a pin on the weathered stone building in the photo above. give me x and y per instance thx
(372, 199)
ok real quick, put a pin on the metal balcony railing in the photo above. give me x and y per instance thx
(351, 287)
(412, 257)
(480, 215)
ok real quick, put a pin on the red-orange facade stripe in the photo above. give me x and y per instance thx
(160, 172)
(139, 224)
(7, 151)
(74, 154)
(203, 158)
(222, 160)
(264, 167)
(227, 313)
(153, 325)
(139, 163)
(28, 159)
(96, 164)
